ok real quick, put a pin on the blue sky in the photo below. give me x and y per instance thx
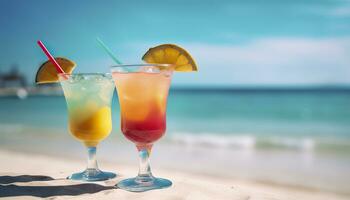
(252, 42)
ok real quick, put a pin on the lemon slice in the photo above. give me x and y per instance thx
(47, 72)
(171, 54)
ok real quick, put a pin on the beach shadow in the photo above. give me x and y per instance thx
(23, 179)
(49, 191)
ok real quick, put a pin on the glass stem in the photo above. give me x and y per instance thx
(145, 174)
(92, 162)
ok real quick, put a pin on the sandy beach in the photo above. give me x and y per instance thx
(30, 176)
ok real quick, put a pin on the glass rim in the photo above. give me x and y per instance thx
(85, 74)
(142, 65)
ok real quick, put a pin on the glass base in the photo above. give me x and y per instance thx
(141, 184)
(92, 175)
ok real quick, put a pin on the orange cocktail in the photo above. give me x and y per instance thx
(143, 92)
(142, 98)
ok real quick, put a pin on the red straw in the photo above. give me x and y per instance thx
(51, 58)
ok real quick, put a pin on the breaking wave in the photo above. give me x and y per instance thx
(245, 141)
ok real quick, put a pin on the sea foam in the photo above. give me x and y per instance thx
(250, 141)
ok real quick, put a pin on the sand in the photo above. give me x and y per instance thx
(31, 176)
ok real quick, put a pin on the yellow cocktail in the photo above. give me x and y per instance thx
(89, 98)
(90, 125)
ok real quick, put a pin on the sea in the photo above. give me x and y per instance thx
(296, 137)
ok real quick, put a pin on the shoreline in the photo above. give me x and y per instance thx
(59, 167)
(251, 166)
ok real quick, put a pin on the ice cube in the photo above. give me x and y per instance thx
(149, 69)
(105, 92)
(78, 77)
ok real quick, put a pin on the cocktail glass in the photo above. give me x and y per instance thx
(89, 98)
(143, 91)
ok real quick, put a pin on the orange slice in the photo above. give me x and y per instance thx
(171, 54)
(47, 72)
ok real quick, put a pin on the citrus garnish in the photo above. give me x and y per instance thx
(47, 72)
(171, 54)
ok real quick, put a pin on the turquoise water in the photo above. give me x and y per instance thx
(282, 136)
(292, 119)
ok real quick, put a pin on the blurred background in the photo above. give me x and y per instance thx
(270, 103)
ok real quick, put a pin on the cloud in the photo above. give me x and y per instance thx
(333, 11)
(340, 11)
(266, 61)
(277, 51)
(276, 61)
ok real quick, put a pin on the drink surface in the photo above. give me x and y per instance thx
(89, 107)
(142, 99)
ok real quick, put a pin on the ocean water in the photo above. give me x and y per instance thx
(284, 136)
(310, 119)
(293, 119)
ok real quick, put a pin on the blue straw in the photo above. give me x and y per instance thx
(104, 46)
